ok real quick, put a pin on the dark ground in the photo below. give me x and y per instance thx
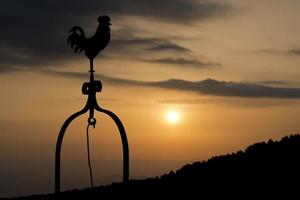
(263, 170)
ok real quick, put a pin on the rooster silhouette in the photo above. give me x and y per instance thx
(93, 45)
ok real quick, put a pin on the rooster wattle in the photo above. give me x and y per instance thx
(93, 45)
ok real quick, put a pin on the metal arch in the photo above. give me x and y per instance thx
(90, 89)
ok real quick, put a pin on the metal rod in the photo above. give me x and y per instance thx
(59, 144)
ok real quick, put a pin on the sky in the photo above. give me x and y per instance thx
(227, 69)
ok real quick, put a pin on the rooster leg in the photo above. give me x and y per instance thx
(92, 65)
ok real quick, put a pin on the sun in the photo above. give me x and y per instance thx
(173, 116)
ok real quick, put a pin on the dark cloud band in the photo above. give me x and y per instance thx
(206, 87)
(36, 30)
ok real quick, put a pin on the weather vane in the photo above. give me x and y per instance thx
(92, 47)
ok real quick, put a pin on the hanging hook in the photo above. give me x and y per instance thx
(92, 121)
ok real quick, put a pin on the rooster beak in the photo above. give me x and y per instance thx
(109, 23)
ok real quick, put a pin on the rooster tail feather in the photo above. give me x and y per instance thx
(74, 30)
(75, 39)
(72, 43)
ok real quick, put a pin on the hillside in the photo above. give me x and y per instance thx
(269, 169)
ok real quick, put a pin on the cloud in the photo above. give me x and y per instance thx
(272, 82)
(33, 33)
(182, 11)
(204, 87)
(169, 47)
(231, 89)
(236, 102)
(129, 46)
(108, 79)
(267, 51)
(295, 52)
(129, 43)
(185, 62)
(279, 83)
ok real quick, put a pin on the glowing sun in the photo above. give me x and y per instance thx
(172, 116)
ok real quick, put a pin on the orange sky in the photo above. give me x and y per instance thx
(253, 42)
